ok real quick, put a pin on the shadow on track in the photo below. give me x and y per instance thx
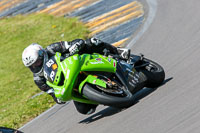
(111, 110)
(146, 91)
(103, 113)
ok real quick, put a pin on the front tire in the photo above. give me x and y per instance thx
(92, 93)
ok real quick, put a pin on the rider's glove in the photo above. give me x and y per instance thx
(58, 101)
(76, 46)
(95, 41)
(74, 49)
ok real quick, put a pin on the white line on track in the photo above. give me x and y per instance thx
(151, 14)
(38, 117)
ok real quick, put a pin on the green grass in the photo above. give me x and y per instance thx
(16, 81)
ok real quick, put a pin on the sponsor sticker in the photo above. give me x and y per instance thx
(70, 61)
(63, 90)
(99, 62)
(133, 85)
(54, 66)
(75, 57)
(109, 59)
(98, 59)
(94, 82)
(65, 66)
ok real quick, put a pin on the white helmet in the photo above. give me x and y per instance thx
(33, 57)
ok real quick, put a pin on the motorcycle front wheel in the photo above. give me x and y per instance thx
(123, 100)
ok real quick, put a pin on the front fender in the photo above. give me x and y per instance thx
(92, 80)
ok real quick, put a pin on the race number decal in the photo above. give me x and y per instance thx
(50, 62)
(52, 75)
(49, 72)
(45, 75)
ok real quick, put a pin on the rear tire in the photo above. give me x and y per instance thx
(155, 76)
(92, 93)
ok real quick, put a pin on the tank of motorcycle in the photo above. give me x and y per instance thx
(72, 66)
(97, 62)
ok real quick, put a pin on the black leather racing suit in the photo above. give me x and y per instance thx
(80, 46)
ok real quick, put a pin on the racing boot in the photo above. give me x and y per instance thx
(124, 53)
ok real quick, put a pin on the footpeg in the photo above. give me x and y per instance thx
(141, 56)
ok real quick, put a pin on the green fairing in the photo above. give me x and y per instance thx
(72, 66)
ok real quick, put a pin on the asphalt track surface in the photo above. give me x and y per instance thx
(172, 40)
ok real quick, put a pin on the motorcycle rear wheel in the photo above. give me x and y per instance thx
(154, 72)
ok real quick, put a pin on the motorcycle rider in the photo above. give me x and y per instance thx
(35, 55)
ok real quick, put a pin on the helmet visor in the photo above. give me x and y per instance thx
(37, 66)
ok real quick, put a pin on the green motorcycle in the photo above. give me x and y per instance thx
(98, 79)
